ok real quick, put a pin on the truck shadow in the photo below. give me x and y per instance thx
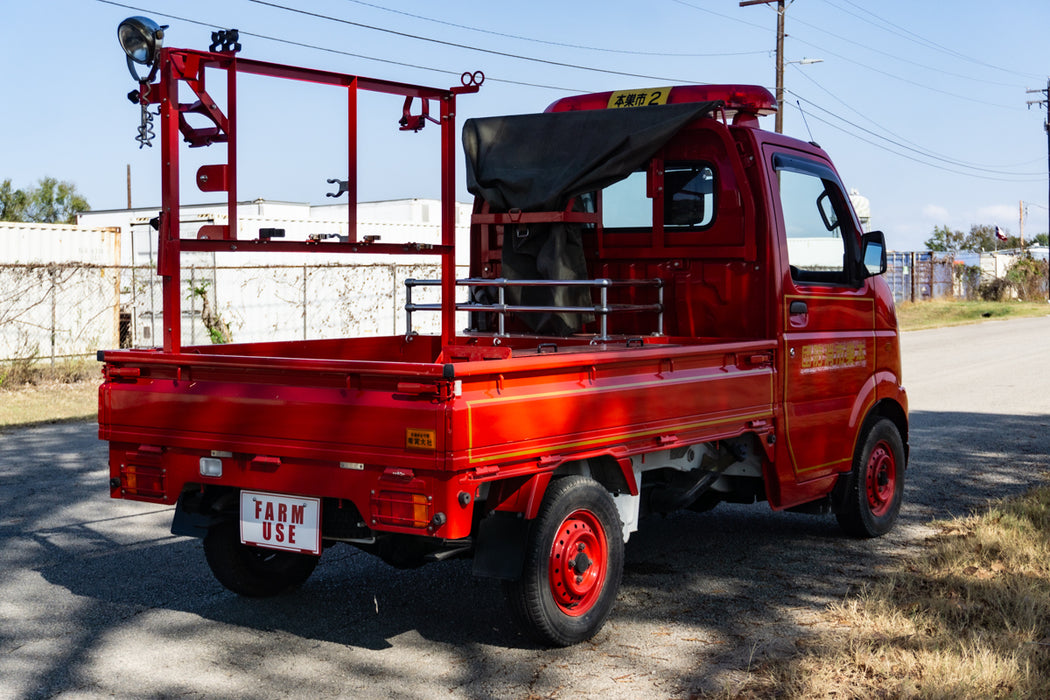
(725, 588)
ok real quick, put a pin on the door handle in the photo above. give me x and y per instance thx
(798, 307)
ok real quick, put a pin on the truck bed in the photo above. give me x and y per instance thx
(338, 416)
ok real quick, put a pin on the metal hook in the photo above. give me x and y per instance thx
(344, 186)
(415, 122)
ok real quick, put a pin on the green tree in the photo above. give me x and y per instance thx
(14, 204)
(944, 240)
(50, 202)
(982, 238)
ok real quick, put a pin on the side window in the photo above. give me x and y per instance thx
(626, 205)
(818, 245)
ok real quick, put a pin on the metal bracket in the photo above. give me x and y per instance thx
(344, 186)
(226, 41)
(415, 122)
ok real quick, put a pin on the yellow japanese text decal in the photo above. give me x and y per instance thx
(639, 98)
(829, 356)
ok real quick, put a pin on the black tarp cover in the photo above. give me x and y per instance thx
(538, 162)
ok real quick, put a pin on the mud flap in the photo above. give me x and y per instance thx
(500, 549)
(188, 523)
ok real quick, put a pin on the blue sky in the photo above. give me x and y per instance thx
(921, 104)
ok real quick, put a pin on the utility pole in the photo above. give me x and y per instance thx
(1020, 219)
(781, 11)
(1045, 102)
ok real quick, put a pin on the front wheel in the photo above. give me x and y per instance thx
(876, 483)
(253, 571)
(573, 564)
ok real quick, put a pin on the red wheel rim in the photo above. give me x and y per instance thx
(881, 479)
(578, 563)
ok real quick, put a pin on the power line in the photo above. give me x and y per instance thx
(897, 30)
(902, 79)
(731, 18)
(914, 154)
(898, 57)
(916, 147)
(467, 47)
(919, 160)
(547, 42)
(918, 151)
(326, 49)
(839, 56)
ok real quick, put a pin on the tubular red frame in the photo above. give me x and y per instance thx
(187, 66)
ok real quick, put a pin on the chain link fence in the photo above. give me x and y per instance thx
(920, 276)
(992, 276)
(58, 312)
(61, 312)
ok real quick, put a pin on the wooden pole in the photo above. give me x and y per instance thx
(781, 11)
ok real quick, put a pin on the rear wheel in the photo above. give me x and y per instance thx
(573, 564)
(253, 571)
(876, 483)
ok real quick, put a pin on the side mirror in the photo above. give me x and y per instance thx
(873, 253)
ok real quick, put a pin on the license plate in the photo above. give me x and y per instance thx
(275, 521)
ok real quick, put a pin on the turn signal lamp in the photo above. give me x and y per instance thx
(749, 99)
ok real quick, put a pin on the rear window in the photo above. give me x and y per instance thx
(689, 199)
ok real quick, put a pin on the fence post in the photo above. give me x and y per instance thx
(393, 298)
(931, 278)
(54, 308)
(193, 304)
(304, 300)
(911, 277)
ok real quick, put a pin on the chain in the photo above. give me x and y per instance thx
(146, 133)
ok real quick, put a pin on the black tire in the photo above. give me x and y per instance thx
(253, 571)
(561, 604)
(875, 486)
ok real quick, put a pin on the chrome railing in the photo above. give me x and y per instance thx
(603, 309)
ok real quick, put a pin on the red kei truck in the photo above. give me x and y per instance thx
(668, 307)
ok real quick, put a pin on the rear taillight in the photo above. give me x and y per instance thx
(401, 509)
(141, 473)
(142, 481)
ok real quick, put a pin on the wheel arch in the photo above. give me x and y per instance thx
(886, 408)
(501, 535)
(606, 469)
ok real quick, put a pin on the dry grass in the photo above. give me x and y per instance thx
(40, 393)
(934, 314)
(970, 618)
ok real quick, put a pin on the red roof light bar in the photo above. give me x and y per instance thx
(750, 99)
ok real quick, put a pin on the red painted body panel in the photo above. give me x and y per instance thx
(633, 400)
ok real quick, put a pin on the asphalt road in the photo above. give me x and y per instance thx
(98, 599)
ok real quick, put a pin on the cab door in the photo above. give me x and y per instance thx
(828, 309)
